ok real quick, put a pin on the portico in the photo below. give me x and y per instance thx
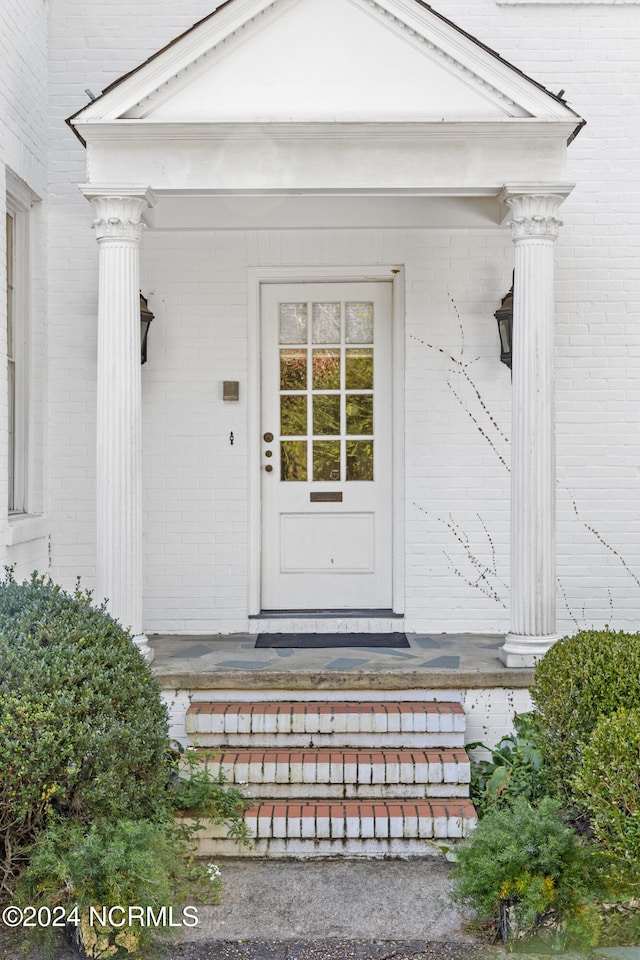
(485, 149)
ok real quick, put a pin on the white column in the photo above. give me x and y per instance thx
(534, 226)
(118, 227)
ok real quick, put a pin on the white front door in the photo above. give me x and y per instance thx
(326, 446)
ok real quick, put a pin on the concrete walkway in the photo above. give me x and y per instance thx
(320, 899)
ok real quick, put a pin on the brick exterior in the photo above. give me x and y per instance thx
(24, 169)
(457, 483)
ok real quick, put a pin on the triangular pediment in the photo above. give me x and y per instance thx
(256, 61)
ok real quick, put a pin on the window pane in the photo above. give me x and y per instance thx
(293, 323)
(326, 460)
(326, 369)
(293, 369)
(326, 414)
(359, 414)
(293, 416)
(359, 322)
(359, 369)
(326, 323)
(360, 460)
(293, 460)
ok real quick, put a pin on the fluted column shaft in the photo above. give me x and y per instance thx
(535, 228)
(118, 227)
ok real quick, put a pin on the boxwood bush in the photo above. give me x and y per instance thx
(608, 784)
(579, 680)
(83, 731)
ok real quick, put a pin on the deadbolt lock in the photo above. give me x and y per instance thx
(268, 437)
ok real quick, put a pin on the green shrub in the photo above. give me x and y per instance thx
(526, 857)
(579, 680)
(516, 768)
(608, 784)
(83, 731)
(89, 781)
(125, 864)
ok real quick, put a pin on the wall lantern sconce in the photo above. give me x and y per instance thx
(504, 316)
(145, 322)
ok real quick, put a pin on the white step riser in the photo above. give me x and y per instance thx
(353, 740)
(334, 837)
(395, 791)
(351, 849)
(327, 625)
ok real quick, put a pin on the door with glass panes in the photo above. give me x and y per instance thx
(326, 456)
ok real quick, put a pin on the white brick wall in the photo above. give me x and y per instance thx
(23, 159)
(457, 484)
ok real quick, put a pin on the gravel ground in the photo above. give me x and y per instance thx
(11, 948)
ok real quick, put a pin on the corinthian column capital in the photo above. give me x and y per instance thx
(118, 211)
(533, 210)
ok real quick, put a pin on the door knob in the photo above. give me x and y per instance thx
(268, 468)
(268, 437)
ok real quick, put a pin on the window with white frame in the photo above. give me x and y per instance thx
(17, 278)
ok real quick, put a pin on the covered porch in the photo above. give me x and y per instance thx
(190, 143)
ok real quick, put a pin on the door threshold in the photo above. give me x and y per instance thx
(325, 614)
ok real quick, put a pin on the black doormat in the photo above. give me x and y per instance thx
(315, 641)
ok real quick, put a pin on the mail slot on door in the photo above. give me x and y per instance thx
(326, 496)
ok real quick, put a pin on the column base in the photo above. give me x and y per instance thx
(142, 643)
(522, 650)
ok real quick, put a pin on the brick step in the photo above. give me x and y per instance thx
(352, 828)
(320, 723)
(338, 773)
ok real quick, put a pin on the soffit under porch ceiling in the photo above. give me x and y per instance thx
(333, 101)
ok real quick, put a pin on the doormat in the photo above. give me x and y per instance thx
(316, 641)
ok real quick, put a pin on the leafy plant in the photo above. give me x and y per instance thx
(579, 680)
(129, 863)
(527, 858)
(195, 791)
(608, 784)
(516, 768)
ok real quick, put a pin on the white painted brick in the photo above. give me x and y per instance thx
(323, 827)
(452, 772)
(367, 827)
(294, 826)
(410, 826)
(425, 827)
(308, 827)
(309, 772)
(381, 826)
(337, 827)
(454, 827)
(280, 827)
(200, 327)
(264, 828)
(432, 772)
(440, 827)
(256, 772)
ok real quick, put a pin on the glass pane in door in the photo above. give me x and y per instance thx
(326, 391)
